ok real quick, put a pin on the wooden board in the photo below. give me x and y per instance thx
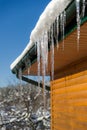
(69, 99)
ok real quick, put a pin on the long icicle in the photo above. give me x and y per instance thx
(20, 80)
(29, 67)
(62, 25)
(38, 44)
(64, 22)
(46, 49)
(52, 54)
(43, 71)
(83, 8)
(38, 60)
(57, 31)
(78, 22)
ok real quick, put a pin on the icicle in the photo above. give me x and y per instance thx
(43, 68)
(46, 65)
(39, 66)
(38, 60)
(35, 47)
(28, 71)
(83, 8)
(44, 60)
(20, 74)
(46, 48)
(44, 52)
(52, 53)
(57, 31)
(62, 25)
(28, 65)
(42, 57)
(78, 22)
(64, 17)
(20, 79)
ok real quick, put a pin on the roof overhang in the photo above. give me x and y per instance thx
(70, 53)
(62, 57)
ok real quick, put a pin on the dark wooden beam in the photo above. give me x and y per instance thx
(34, 82)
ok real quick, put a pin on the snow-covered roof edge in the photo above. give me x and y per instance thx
(53, 9)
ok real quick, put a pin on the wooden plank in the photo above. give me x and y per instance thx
(77, 116)
(71, 102)
(62, 125)
(71, 95)
(70, 109)
(69, 125)
(75, 68)
(73, 88)
(70, 81)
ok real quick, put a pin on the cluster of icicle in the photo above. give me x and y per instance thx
(51, 12)
(44, 30)
(42, 37)
(48, 33)
(53, 9)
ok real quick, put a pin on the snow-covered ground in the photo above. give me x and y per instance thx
(16, 112)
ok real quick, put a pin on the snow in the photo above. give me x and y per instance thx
(53, 9)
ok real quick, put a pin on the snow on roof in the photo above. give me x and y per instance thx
(53, 9)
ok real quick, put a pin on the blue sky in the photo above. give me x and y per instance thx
(17, 19)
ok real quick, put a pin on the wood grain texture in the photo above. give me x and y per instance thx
(69, 99)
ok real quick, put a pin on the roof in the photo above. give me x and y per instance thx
(62, 57)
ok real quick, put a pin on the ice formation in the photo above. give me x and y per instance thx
(62, 25)
(78, 22)
(51, 12)
(83, 8)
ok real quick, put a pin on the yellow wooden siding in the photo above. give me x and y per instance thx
(69, 101)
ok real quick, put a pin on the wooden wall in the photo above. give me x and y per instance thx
(69, 98)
